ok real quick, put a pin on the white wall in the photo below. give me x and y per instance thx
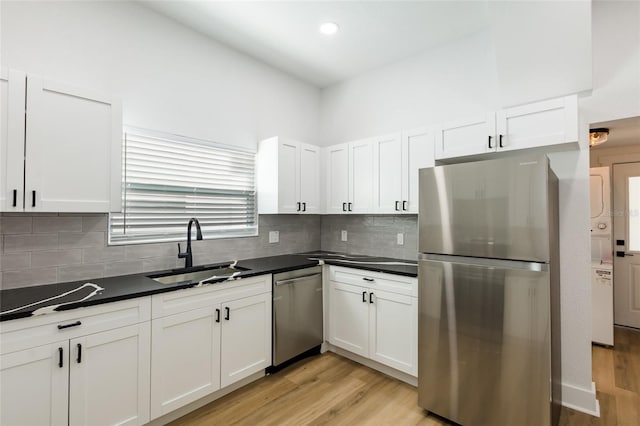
(531, 51)
(616, 62)
(170, 78)
(609, 156)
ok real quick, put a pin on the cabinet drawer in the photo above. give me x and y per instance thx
(25, 333)
(375, 280)
(179, 301)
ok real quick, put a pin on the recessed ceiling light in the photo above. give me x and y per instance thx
(329, 28)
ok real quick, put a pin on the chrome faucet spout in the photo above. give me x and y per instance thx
(188, 255)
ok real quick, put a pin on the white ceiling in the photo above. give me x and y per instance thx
(621, 132)
(285, 34)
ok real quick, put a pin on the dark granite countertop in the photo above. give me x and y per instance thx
(27, 301)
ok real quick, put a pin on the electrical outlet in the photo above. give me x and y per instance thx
(400, 239)
(343, 235)
(274, 236)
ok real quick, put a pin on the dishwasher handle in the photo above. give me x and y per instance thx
(298, 279)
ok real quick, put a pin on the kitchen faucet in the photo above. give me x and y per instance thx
(188, 256)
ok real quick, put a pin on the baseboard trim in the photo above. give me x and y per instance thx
(396, 374)
(581, 399)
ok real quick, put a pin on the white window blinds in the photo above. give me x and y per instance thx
(169, 179)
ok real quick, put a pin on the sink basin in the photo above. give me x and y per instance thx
(193, 276)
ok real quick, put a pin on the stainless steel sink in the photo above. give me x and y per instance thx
(197, 275)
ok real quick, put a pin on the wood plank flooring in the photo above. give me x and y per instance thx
(331, 390)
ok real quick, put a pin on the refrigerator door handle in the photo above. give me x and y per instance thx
(481, 261)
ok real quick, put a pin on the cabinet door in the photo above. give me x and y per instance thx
(310, 178)
(12, 103)
(394, 330)
(109, 377)
(417, 153)
(186, 358)
(349, 317)
(361, 176)
(246, 338)
(34, 386)
(539, 124)
(337, 168)
(288, 176)
(74, 139)
(388, 174)
(466, 137)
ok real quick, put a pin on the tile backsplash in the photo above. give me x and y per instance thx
(50, 248)
(373, 235)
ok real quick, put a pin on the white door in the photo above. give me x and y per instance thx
(72, 149)
(349, 317)
(246, 338)
(310, 178)
(626, 232)
(417, 153)
(388, 173)
(12, 104)
(466, 137)
(361, 177)
(186, 358)
(109, 377)
(539, 124)
(337, 169)
(288, 176)
(393, 334)
(34, 386)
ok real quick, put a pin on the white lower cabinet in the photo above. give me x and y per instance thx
(375, 315)
(204, 339)
(85, 373)
(34, 386)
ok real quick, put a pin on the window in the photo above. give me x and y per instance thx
(169, 179)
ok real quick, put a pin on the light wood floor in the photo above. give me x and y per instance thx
(329, 389)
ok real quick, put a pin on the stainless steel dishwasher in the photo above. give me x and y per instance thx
(297, 313)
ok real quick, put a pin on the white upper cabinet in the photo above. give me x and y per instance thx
(337, 172)
(540, 124)
(398, 157)
(361, 176)
(551, 122)
(388, 179)
(417, 153)
(288, 177)
(70, 154)
(466, 137)
(350, 177)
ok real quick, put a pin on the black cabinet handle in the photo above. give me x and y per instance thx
(227, 314)
(304, 206)
(500, 141)
(15, 198)
(490, 142)
(79, 358)
(298, 205)
(368, 279)
(370, 297)
(344, 207)
(349, 206)
(404, 205)
(364, 297)
(397, 206)
(73, 324)
(60, 352)
(33, 198)
(217, 315)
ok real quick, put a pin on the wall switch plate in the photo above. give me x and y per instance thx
(343, 235)
(274, 236)
(400, 239)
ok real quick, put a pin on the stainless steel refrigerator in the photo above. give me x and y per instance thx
(489, 331)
